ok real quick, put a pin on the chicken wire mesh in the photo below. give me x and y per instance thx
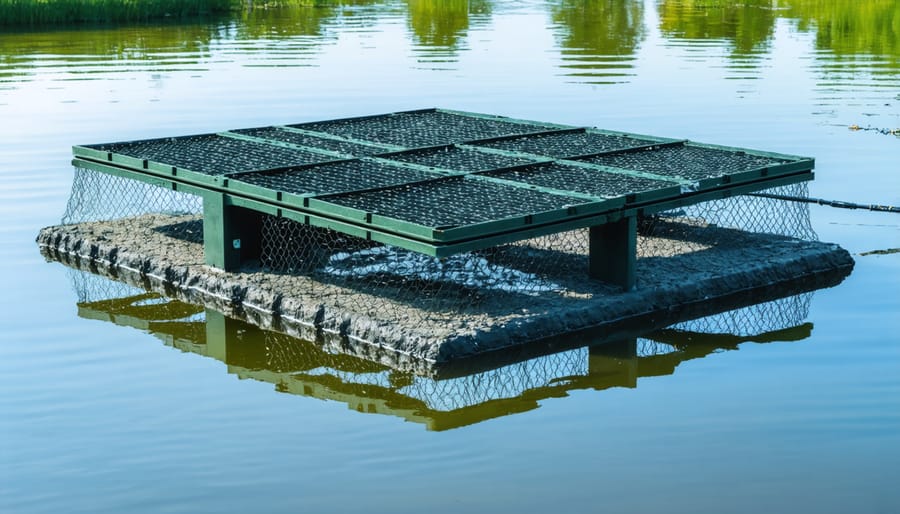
(687, 229)
(98, 196)
(545, 266)
(383, 281)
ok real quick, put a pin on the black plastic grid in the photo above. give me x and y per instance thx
(333, 145)
(567, 144)
(454, 202)
(418, 129)
(459, 159)
(582, 180)
(688, 162)
(335, 177)
(212, 154)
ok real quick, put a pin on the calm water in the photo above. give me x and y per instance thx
(107, 408)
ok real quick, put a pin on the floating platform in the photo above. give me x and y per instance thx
(434, 236)
(441, 182)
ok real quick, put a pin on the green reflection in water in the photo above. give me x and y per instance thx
(131, 43)
(598, 38)
(438, 399)
(851, 27)
(747, 25)
(444, 23)
(844, 27)
(88, 52)
(93, 52)
(301, 20)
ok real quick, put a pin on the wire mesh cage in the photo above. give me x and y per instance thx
(98, 196)
(362, 276)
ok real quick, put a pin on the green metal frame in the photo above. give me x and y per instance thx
(232, 206)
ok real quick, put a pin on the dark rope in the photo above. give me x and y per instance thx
(885, 131)
(829, 203)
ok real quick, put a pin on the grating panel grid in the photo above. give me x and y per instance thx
(344, 147)
(582, 180)
(459, 159)
(454, 202)
(567, 144)
(335, 177)
(213, 155)
(419, 129)
(509, 177)
(689, 162)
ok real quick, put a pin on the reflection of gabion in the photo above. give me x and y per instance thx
(301, 361)
(93, 288)
(753, 320)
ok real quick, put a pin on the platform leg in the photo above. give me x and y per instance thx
(613, 252)
(231, 235)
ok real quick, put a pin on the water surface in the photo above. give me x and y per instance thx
(798, 410)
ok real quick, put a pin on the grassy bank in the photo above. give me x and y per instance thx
(26, 13)
(51, 12)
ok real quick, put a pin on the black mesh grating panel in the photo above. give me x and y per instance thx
(507, 174)
(568, 144)
(582, 180)
(420, 129)
(454, 202)
(344, 147)
(689, 162)
(460, 159)
(214, 155)
(335, 177)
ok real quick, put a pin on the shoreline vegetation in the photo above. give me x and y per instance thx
(34, 13)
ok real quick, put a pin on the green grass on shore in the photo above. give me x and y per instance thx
(26, 13)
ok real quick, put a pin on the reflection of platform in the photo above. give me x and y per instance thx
(440, 398)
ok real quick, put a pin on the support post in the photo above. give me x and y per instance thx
(231, 235)
(613, 252)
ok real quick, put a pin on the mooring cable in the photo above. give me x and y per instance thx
(830, 203)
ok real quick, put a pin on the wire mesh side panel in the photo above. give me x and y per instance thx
(98, 196)
(545, 267)
(760, 214)
(392, 278)
(688, 229)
